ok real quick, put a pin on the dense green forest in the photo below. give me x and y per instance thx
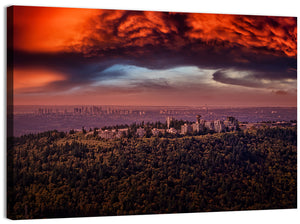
(54, 174)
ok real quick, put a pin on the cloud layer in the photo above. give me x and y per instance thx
(257, 52)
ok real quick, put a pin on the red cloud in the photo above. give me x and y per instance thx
(92, 31)
(277, 34)
(120, 29)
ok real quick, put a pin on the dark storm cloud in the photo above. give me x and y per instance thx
(221, 76)
(155, 85)
(253, 78)
(88, 69)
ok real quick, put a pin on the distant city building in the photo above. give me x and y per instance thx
(122, 132)
(202, 122)
(197, 127)
(156, 131)
(172, 131)
(219, 126)
(169, 119)
(107, 134)
(140, 132)
(233, 120)
(209, 125)
(231, 123)
(186, 128)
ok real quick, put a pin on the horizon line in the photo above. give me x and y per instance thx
(243, 106)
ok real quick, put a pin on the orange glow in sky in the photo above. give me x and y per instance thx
(31, 78)
(42, 29)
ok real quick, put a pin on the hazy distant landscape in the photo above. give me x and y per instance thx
(34, 119)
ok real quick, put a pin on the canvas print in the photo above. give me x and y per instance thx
(119, 112)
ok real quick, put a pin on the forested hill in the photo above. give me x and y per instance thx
(57, 175)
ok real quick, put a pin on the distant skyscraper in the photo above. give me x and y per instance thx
(169, 119)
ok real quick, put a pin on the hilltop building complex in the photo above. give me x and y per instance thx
(230, 124)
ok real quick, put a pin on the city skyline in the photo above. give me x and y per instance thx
(65, 56)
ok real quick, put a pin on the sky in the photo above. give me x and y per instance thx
(69, 56)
